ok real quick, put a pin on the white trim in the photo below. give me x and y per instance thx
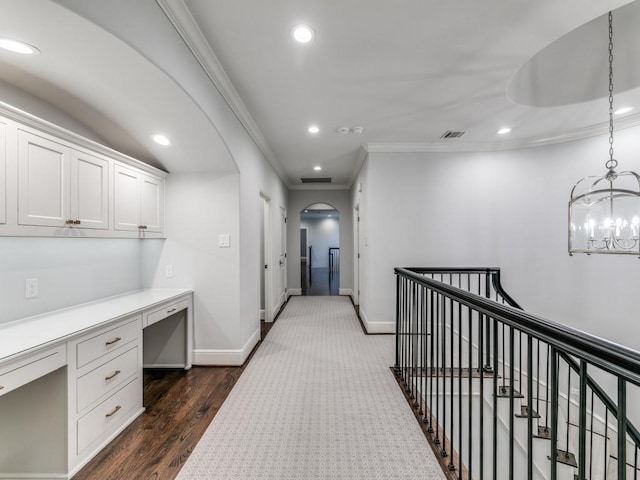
(294, 292)
(226, 357)
(262, 314)
(377, 327)
(275, 311)
(345, 291)
(182, 20)
(362, 156)
(454, 146)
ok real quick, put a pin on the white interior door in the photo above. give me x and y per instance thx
(282, 284)
(266, 232)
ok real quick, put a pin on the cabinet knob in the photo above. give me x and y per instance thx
(111, 342)
(77, 222)
(114, 411)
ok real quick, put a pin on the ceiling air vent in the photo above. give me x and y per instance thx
(452, 134)
(316, 179)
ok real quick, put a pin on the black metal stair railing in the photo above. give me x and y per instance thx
(509, 395)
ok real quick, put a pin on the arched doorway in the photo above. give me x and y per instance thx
(320, 250)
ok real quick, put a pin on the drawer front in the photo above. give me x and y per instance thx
(165, 311)
(110, 415)
(106, 378)
(102, 343)
(22, 371)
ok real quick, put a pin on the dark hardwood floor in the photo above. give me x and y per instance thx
(319, 281)
(179, 407)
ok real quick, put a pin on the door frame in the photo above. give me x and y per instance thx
(265, 204)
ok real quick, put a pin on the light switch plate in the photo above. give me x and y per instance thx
(224, 240)
(31, 288)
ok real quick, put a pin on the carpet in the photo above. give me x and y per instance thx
(317, 401)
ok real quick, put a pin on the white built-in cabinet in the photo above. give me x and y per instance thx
(59, 186)
(3, 174)
(139, 201)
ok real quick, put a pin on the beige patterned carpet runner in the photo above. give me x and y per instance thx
(317, 401)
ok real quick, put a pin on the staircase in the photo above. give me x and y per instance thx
(503, 394)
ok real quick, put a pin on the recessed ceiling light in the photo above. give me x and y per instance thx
(302, 33)
(623, 110)
(329, 215)
(17, 46)
(317, 168)
(504, 130)
(313, 129)
(161, 139)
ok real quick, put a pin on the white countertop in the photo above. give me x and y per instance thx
(41, 330)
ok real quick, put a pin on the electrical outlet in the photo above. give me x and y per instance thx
(31, 288)
(168, 271)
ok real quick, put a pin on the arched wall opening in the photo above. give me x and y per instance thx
(320, 249)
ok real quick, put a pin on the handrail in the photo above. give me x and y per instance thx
(609, 356)
(606, 399)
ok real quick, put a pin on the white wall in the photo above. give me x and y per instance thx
(341, 201)
(506, 209)
(322, 233)
(199, 208)
(69, 271)
(148, 30)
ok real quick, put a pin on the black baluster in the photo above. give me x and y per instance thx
(622, 429)
(511, 393)
(554, 413)
(582, 422)
(530, 407)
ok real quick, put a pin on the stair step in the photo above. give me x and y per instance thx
(543, 432)
(447, 372)
(505, 392)
(524, 412)
(566, 458)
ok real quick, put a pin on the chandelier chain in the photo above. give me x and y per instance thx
(612, 163)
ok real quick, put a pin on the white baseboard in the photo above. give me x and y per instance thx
(226, 357)
(294, 291)
(345, 291)
(377, 327)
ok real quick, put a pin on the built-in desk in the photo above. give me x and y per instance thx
(71, 380)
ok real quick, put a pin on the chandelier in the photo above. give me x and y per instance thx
(604, 211)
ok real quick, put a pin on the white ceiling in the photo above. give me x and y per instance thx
(405, 71)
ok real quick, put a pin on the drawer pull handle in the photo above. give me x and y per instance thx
(142, 227)
(172, 310)
(113, 375)
(115, 410)
(111, 342)
(77, 222)
(1, 387)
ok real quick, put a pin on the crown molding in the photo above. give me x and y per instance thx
(180, 17)
(361, 156)
(25, 118)
(453, 146)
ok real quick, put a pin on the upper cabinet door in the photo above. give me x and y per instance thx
(3, 173)
(43, 181)
(152, 204)
(126, 196)
(89, 191)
